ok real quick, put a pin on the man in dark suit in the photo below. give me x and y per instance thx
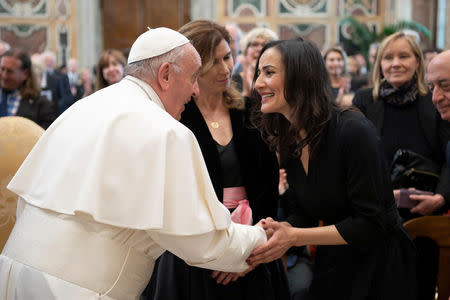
(20, 95)
(438, 78)
(55, 85)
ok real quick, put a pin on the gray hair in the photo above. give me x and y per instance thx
(148, 68)
(259, 32)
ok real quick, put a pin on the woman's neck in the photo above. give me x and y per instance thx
(335, 80)
(210, 102)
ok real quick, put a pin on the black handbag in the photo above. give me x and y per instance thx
(410, 169)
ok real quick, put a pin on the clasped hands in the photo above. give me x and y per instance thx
(280, 238)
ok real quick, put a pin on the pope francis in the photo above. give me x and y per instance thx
(115, 181)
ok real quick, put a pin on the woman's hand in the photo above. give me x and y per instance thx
(283, 184)
(396, 195)
(281, 240)
(225, 278)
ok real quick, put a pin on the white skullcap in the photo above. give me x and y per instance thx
(155, 42)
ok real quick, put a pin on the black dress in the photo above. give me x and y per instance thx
(256, 168)
(348, 185)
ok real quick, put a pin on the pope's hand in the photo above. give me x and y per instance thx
(280, 241)
(225, 278)
(268, 231)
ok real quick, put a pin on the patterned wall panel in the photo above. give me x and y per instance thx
(34, 38)
(310, 8)
(358, 7)
(317, 20)
(317, 33)
(24, 9)
(63, 8)
(245, 8)
(39, 25)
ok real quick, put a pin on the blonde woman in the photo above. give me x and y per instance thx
(400, 107)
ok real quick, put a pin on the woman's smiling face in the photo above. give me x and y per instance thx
(270, 83)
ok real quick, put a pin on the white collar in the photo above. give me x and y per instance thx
(147, 89)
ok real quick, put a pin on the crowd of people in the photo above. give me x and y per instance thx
(211, 164)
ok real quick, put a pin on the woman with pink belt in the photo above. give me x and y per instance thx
(243, 171)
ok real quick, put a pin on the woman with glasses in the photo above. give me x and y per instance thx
(251, 45)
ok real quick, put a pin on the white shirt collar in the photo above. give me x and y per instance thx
(147, 89)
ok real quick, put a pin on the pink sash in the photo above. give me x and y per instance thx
(236, 197)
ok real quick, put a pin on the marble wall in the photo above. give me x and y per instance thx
(319, 20)
(40, 25)
(73, 28)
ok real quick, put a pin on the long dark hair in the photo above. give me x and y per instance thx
(29, 88)
(307, 90)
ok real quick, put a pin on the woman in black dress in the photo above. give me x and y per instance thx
(338, 172)
(242, 170)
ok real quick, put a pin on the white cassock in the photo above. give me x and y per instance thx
(112, 183)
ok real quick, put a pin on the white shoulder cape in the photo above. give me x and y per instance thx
(122, 159)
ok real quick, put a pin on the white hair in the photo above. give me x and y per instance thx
(148, 68)
(258, 32)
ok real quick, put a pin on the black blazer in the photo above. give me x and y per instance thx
(259, 166)
(40, 111)
(437, 131)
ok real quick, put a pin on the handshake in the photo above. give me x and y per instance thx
(280, 237)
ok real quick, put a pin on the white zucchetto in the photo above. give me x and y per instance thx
(155, 42)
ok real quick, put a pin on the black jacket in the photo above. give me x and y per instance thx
(436, 130)
(40, 111)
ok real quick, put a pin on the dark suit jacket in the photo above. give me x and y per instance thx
(259, 166)
(437, 131)
(40, 111)
(59, 86)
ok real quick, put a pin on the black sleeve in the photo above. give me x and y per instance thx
(368, 185)
(47, 113)
(443, 186)
(362, 97)
(265, 182)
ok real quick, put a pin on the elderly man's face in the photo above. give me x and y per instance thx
(184, 83)
(12, 75)
(438, 78)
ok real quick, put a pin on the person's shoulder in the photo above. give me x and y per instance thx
(352, 122)
(364, 95)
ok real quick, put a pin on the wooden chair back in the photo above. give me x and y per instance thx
(436, 228)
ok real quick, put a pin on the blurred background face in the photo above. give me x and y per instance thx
(12, 76)
(438, 77)
(218, 78)
(254, 49)
(353, 66)
(49, 62)
(398, 62)
(113, 72)
(334, 63)
(234, 43)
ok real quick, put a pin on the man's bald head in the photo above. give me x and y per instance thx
(438, 78)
